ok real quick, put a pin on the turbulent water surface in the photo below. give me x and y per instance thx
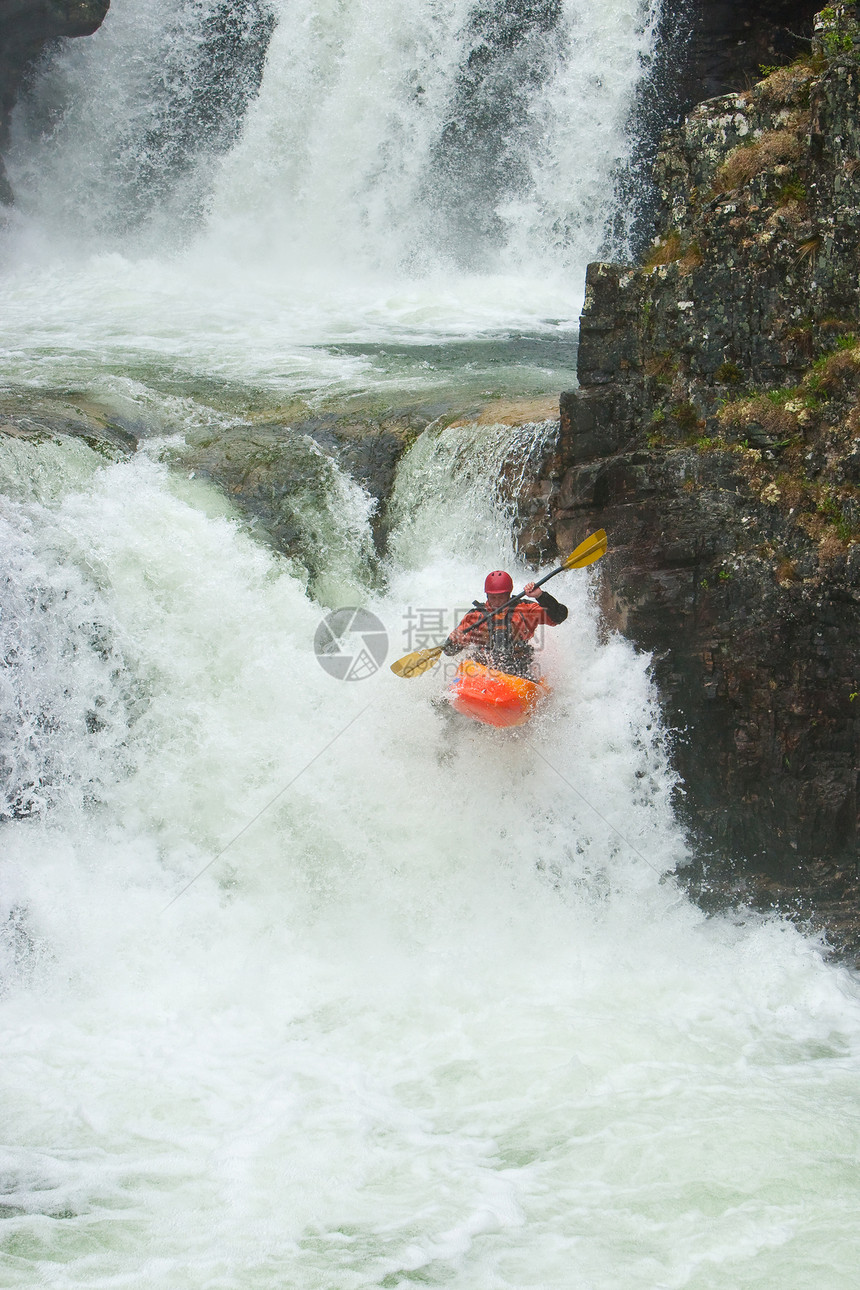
(304, 982)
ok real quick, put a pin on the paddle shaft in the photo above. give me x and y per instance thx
(589, 550)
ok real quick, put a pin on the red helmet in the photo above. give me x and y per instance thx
(498, 583)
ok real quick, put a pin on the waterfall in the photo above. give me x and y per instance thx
(241, 191)
(347, 139)
(117, 132)
(321, 989)
(304, 981)
(443, 134)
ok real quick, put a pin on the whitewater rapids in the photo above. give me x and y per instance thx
(437, 1015)
(305, 984)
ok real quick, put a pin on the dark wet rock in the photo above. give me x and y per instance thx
(716, 436)
(367, 450)
(273, 475)
(267, 468)
(287, 477)
(730, 40)
(703, 48)
(26, 26)
(38, 417)
(309, 488)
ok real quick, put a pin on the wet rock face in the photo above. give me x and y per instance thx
(716, 436)
(287, 480)
(40, 418)
(25, 27)
(730, 40)
(703, 48)
(29, 23)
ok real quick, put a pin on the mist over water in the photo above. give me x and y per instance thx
(309, 983)
(368, 172)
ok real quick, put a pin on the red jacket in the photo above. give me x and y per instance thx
(503, 640)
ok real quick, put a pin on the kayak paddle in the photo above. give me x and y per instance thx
(589, 550)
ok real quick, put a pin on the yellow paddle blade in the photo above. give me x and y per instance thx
(414, 664)
(589, 550)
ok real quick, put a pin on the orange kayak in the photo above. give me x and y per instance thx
(494, 697)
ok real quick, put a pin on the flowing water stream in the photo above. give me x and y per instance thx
(304, 983)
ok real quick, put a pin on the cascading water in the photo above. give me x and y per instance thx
(303, 983)
(382, 136)
(404, 174)
(432, 1014)
(137, 115)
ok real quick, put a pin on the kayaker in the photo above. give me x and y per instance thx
(504, 641)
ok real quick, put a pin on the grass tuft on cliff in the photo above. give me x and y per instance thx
(671, 250)
(665, 250)
(775, 419)
(788, 86)
(773, 148)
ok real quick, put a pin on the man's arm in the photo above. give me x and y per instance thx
(555, 612)
(458, 640)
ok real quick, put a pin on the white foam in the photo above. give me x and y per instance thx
(434, 1011)
(327, 222)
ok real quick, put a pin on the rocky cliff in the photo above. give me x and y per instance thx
(26, 26)
(727, 42)
(715, 436)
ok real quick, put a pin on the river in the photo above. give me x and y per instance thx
(305, 984)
